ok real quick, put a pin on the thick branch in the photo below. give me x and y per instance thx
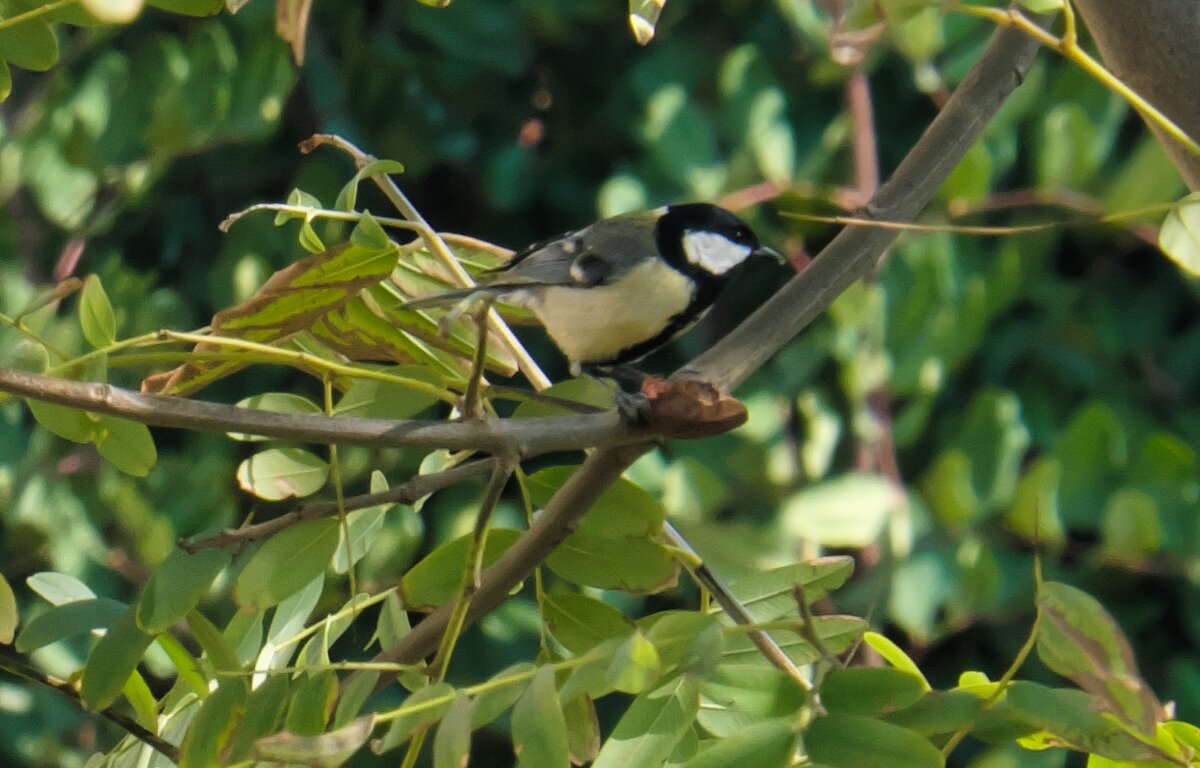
(553, 525)
(855, 251)
(1151, 46)
(849, 257)
(521, 437)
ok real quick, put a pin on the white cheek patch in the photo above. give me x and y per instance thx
(713, 253)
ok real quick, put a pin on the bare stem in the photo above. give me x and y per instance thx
(135, 729)
(408, 493)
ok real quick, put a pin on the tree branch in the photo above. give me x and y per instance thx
(851, 255)
(135, 729)
(521, 437)
(406, 493)
(1151, 46)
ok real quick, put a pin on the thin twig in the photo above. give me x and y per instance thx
(407, 493)
(135, 729)
(733, 607)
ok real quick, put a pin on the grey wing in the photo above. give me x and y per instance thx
(589, 257)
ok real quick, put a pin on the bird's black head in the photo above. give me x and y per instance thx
(705, 240)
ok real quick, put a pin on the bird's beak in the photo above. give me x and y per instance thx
(768, 251)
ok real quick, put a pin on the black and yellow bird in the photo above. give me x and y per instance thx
(616, 290)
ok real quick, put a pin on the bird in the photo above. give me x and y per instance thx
(618, 289)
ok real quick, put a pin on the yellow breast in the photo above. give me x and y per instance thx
(595, 324)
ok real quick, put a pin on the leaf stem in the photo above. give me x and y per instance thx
(1069, 48)
(35, 13)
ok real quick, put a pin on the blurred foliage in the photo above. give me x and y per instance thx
(982, 398)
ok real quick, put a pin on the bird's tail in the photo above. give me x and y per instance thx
(446, 298)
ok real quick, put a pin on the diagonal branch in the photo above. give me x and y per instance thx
(520, 437)
(851, 256)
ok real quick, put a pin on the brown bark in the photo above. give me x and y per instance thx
(1151, 45)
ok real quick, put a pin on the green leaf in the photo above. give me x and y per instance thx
(539, 729)
(96, 315)
(585, 389)
(326, 750)
(766, 744)
(128, 445)
(5, 81)
(855, 741)
(615, 545)
(424, 708)
(1073, 718)
(220, 653)
(1079, 640)
(580, 622)
(275, 402)
(189, 7)
(67, 423)
(768, 594)
(311, 703)
(1130, 527)
(939, 713)
(636, 565)
(288, 562)
(375, 399)
(138, 694)
(633, 667)
(392, 624)
(1179, 236)
(688, 640)
(837, 634)
(895, 656)
(364, 526)
(112, 661)
(438, 576)
(68, 620)
(647, 733)
(740, 695)
(213, 726)
(280, 473)
(848, 511)
(507, 687)
(583, 729)
(185, 664)
(31, 45)
(177, 586)
(264, 710)
(623, 510)
(1034, 510)
(59, 588)
(1042, 6)
(870, 690)
(9, 617)
(452, 741)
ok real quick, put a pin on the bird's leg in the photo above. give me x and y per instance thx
(633, 406)
(471, 408)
